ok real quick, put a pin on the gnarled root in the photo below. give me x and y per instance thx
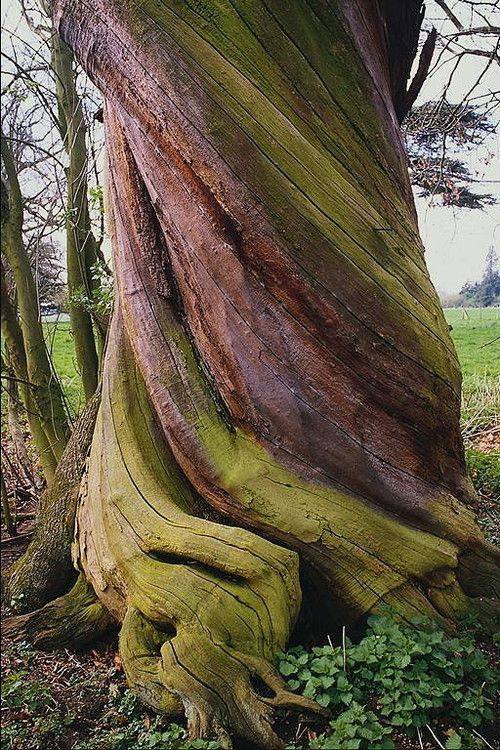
(478, 571)
(222, 687)
(75, 619)
(140, 644)
(217, 686)
(474, 586)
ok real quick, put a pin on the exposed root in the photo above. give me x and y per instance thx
(217, 686)
(221, 687)
(75, 619)
(479, 571)
(140, 644)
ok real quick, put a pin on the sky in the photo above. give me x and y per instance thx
(456, 243)
(456, 240)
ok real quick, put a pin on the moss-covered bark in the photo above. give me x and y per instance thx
(45, 570)
(33, 397)
(28, 350)
(280, 384)
(14, 419)
(6, 511)
(75, 619)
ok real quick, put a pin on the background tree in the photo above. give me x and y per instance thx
(449, 138)
(486, 292)
(437, 133)
(42, 395)
(279, 384)
(43, 85)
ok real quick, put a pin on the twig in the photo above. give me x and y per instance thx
(16, 538)
(489, 342)
(344, 649)
(430, 730)
(482, 738)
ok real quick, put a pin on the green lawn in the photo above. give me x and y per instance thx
(476, 334)
(60, 345)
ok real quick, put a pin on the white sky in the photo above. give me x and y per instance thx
(456, 240)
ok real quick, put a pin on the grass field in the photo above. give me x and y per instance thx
(476, 334)
(60, 345)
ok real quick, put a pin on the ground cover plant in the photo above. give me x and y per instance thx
(401, 678)
(400, 685)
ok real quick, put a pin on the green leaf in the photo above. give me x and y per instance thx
(287, 669)
(454, 741)
(323, 699)
(342, 682)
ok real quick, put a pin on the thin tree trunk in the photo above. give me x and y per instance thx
(14, 420)
(279, 382)
(80, 241)
(7, 515)
(46, 388)
(33, 397)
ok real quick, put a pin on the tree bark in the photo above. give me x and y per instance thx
(6, 511)
(14, 419)
(279, 383)
(33, 397)
(45, 571)
(80, 241)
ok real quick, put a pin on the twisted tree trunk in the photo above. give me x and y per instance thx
(45, 570)
(280, 384)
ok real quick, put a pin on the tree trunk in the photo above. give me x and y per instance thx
(45, 570)
(279, 384)
(6, 512)
(33, 397)
(44, 386)
(80, 241)
(14, 421)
